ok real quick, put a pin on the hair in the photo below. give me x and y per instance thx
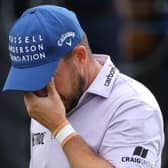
(83, 42)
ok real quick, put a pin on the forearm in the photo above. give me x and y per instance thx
(80, 155)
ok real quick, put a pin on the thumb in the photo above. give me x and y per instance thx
(51, 87)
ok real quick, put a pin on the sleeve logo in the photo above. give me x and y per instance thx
(140, 151)
(139, 157)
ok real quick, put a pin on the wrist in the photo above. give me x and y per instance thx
(59, 126)
(64, 133)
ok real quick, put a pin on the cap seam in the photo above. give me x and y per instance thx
(39, 20)
(60, 21)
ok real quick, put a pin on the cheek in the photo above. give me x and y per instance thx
(65, 85)
(65, 79)
(62, 85)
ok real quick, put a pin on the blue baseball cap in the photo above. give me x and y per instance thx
(37, 41)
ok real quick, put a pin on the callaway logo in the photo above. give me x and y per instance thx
(66, 38)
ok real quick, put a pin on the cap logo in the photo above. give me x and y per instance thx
(26, 49)
(66, 39)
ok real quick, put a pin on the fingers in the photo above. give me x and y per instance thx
(51, 91)
(51, 88)
(29, 96)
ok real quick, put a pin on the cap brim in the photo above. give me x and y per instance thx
(29, 79)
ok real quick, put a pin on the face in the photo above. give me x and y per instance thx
(71, 77)
(69, 84)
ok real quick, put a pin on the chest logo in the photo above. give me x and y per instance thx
(38, 138)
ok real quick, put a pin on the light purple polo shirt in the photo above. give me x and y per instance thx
(117, 116)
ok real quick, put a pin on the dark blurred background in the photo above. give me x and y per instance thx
(133, 32)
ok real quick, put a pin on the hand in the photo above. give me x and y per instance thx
(49, 110)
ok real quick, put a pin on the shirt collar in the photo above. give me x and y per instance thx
(103, 83)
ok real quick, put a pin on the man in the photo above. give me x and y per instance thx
(85, 113)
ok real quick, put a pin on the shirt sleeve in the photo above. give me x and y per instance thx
(133, 138)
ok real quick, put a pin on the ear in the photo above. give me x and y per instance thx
(80, 54)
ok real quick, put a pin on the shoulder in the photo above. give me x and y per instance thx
(127, 89)
(131, 101)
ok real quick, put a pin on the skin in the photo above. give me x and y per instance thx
(49, 106)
